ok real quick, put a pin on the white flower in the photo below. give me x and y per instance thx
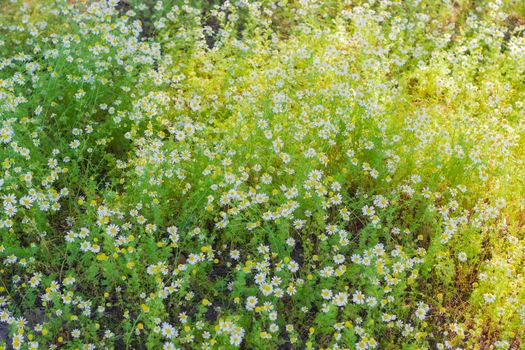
(74, 144)
(489, 297)
(234, 254)
(340, 299)
(358, 297)
(168, 330)
(266, 289)
(251, 302)
(112, 230)
(6, 134)
(326, 294)
(421, 313)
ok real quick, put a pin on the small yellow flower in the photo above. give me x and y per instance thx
(102, 257)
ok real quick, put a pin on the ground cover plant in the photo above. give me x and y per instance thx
(338, 174)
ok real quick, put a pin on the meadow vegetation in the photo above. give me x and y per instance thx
(294, 174)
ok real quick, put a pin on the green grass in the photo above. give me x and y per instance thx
(272, 175)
